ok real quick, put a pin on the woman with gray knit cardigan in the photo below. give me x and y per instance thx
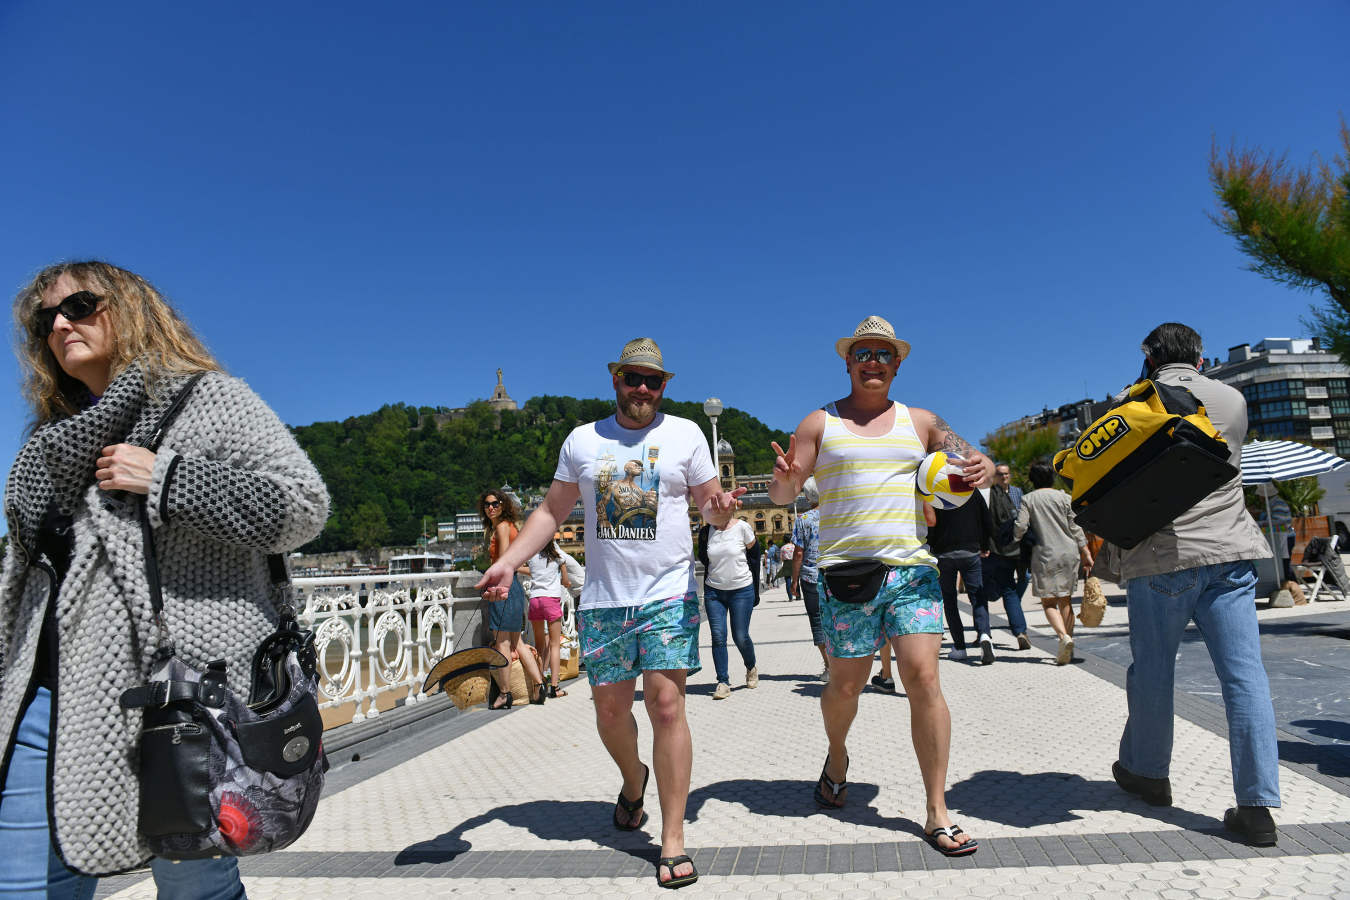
(102, 356)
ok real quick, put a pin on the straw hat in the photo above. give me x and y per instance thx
(873, 328)
(464, 676)
(641, 352)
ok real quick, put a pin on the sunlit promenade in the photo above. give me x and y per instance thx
(496, 804)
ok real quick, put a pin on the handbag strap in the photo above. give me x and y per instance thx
(276, 563)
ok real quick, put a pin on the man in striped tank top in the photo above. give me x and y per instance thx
(864, 451)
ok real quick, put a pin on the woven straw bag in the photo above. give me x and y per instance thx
(1094, 603)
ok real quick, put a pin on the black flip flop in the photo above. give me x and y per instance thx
(838, 793)
(951, 831)
(676, 881)
(632, 806)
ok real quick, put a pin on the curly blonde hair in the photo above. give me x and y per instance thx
(144, 327)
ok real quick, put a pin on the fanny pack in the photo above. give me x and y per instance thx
(855, 581)
(220, 775)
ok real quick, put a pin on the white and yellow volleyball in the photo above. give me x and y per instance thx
(941, 483)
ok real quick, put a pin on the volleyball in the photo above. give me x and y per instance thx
(941, 483)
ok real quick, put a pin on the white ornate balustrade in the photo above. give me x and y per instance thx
(387, 645)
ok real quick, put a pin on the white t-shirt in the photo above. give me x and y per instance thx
(545, 577)
(635, 491)
(576, 573)
(728, 569)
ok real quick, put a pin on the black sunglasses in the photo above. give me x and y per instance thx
(79, 305)
(633, 379)
(491, 503)
(882, 356)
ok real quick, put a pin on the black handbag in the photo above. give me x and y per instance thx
(855, 581)
(220, 775)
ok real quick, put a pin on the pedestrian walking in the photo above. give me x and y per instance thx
(103, 356)
(548, 580)
(1061, 547)
(771, 554)
(960, 539)
(785, 556)
(806, 536)
(865, 450)
(729, 591)
(1200, 568)
(1000, 566)
(639, 613)
(506, 619)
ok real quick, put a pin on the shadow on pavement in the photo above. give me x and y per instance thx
(784, 797)
(1045, 798)
(554, 820)
(1330, 759)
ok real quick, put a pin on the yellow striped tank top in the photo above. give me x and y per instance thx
(868, 505)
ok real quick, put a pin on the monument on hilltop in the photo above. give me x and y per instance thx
(501, 400)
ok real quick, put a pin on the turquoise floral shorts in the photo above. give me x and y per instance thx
(618, 642)
(909, 602)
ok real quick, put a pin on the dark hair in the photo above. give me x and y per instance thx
(550, 552)
(1041, 474)
(509, 511)
(1172, 342)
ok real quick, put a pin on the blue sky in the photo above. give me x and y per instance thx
(358, 204)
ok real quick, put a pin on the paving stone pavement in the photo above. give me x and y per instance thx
(507, 803)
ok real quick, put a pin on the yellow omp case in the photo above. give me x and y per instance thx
(1149, 459)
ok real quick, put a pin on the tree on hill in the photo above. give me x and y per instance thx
(1294, 225)
(388, 469)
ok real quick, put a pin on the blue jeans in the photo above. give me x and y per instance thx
(739, 604)
(1000, 583)
(29, 866)
(968, 564)
(1222, 600)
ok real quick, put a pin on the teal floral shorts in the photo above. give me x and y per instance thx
(618, 642)
(909, 602)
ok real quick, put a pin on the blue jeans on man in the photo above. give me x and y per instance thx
(1221, 600)
(1000, 583)
(738, 604)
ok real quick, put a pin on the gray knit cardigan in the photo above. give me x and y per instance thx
(229, 486)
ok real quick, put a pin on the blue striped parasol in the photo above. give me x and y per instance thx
(1264, 461)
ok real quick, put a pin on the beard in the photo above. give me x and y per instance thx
(640, 411)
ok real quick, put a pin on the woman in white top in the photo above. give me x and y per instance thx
(547, 580)
(729, 588)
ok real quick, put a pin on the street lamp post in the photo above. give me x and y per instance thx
(712, 408)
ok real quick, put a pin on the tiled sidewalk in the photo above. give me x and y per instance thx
(493, 804)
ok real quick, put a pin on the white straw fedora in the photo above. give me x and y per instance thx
(873, 328)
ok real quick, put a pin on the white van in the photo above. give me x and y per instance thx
(1336, 503)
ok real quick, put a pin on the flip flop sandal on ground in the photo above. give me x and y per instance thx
(628, 823)
(951, 831)
(676, 881)
(829, 794)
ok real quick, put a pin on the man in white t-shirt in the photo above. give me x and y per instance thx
(637, 471)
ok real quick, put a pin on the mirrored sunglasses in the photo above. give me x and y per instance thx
(79, 305)
(882, 356)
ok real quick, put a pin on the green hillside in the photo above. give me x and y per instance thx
(388, 469)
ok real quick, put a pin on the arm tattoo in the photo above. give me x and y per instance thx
(950, 441)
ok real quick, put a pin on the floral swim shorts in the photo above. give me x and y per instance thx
(618, 642)
(909, 602)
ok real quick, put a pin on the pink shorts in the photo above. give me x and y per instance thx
(544, 609)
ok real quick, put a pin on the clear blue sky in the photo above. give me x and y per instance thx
(360, 203)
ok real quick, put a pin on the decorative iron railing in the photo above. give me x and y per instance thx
(378, 636)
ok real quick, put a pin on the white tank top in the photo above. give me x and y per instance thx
(868, 504)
